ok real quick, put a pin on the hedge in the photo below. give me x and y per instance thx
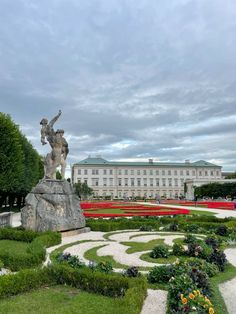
(114, 285)
(36, 251)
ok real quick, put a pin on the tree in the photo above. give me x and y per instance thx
(83, 190)
(58, 175)
(216, 190)
(231, 176)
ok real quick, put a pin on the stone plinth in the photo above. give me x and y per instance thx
(52, 205)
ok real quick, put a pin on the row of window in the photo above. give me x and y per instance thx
(136, 182)
(148, 194)
(147, 172)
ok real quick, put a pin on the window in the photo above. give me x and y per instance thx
(157, 182)
(170, 182)
(145, 181)
(126, 172)
(79, 171)
(181, 172)
(95, 181)
(163, 172)
(132, 172)
(144, 172)
(200, 173)
(120, 172)
(217, 173)
(212, 173)
(157, 172)
(206, 173)
(126, 181)
(169, 172)
(163, 182)
(193, 172)
(151, 172)
(138, 172)
(151, 182)
(138, 181)
(182, 182)
(132, 181)
(104, 171)
(85, 171)
(86, 180)
(187, 172)
(176, 182)
(111, 171)
(95, 171)
(104, 181)
(78, 180)
(175, 173)
(111, 181)
(119, 181)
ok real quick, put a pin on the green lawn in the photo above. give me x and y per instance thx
(63, 300)
(202, 212)
(13, 246)
(142, 246)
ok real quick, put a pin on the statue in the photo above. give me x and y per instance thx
(57, 157)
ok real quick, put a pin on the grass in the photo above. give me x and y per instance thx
(142, 246)
(217, 299)
(169, 260)
(16, 247)
(63, 300)
(201, 212)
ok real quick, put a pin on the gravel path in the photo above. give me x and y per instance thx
(155, 303)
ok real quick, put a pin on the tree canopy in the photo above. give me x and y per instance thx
(216, 190)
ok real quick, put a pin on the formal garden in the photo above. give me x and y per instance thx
(116, 263)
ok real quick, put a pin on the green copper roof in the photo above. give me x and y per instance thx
(101, 161)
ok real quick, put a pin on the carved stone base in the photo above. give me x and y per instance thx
(52, 205)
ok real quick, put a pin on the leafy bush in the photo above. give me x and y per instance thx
(199, 250)
(105, 267)
(200, 279)
(194, 302)
(192, 228)
(189, 238)
(160, 250)
(210, 269)
(213, 241)
(160, 274)
(222, 230)
(131, 272)
(178, 249)
(173, 227)
(219, 258)
(1, 264)
(71, 260)
(145, 228)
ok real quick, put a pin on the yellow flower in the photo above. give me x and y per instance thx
(181, 296)
(195, 292)
(191, 296)
(199, 293)
(184, 301)
(211, 310)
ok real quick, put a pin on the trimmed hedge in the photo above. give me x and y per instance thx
(115, 285)
(36, 250)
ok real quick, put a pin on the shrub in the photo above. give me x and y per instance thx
(199, 250)
(105, 267)
(200, 279)
(219, 258)
(131, 272)
(194, 302)
(145, 228)
(192, 228)
(178, 249)
(210, 269)
(213, 241)
(71, 260)
(1, 264)
(160, 250)
(222, 230)
(173, 227)
(189, 238)
(160, 274)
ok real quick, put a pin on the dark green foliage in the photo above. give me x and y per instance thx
(189, 238)
(160, 274)
(178, 249)
(222, 230)
(36, 250)
(218, 257)
(173, 227)
(213, 241)
(200, 250)
(103, 267)
(160, 250)
(131, 272)
(145, 228)
(23, 281)
(1, 264)
(83, 190)
(210, 269)
(192, 228)
(85, 279)
(71, 260)
(216, 190)
(200, 279)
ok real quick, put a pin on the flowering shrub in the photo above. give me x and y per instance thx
(103, 267)
(178, 249)
(213, 241)
(222, 230)
(189, 238)
(131, 272)
(195, 302)
(160, 250)
(219, 258)
(197, 250)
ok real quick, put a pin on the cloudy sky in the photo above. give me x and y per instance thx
(135, 79)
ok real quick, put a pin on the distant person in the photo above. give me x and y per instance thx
(158, 199)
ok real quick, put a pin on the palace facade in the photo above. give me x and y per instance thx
(141, 179)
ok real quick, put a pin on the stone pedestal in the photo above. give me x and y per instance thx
(52, 205)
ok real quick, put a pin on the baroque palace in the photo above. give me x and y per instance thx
(141, 179)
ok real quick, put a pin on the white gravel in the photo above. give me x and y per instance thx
(155, 303)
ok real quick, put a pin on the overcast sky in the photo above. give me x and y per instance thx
(133, 78)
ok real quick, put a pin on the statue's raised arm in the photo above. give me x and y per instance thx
(51, 123)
